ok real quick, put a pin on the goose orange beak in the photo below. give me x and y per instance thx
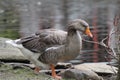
(87, 32)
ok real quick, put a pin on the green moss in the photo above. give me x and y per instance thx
(8, 72)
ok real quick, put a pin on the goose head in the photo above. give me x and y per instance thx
(80, 25)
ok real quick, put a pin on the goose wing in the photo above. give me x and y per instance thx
(43, 39)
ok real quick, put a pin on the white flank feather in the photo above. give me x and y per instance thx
(27, 53)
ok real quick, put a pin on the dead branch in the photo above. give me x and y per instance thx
(108, 48)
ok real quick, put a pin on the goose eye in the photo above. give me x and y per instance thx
(82, 28)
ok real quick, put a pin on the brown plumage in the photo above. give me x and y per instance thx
(44, 39)
(56, 45)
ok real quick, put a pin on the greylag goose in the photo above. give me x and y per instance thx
(51, 46)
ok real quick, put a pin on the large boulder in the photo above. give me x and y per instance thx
(8, 52)
(98, 67)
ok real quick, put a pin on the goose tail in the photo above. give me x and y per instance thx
(14, 43)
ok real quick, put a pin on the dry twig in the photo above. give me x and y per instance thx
(107, 46)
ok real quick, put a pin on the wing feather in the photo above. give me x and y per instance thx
(44, 39)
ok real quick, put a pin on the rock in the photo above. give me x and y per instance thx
(8, 52)
(32, 66)
(98, 67)
(80, 74)
(64, 65)
(75, 61)
(113, 77)
(10, 72)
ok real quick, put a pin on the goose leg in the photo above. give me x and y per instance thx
(54, 73)
(36, 70)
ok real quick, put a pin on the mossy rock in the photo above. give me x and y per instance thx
(11, 72)
(8, 72)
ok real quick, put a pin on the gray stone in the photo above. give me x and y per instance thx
(98, 67)
(8, 52)
(80, 74)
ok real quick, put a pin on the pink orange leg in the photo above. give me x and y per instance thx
(36, 70)
(54, 73)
